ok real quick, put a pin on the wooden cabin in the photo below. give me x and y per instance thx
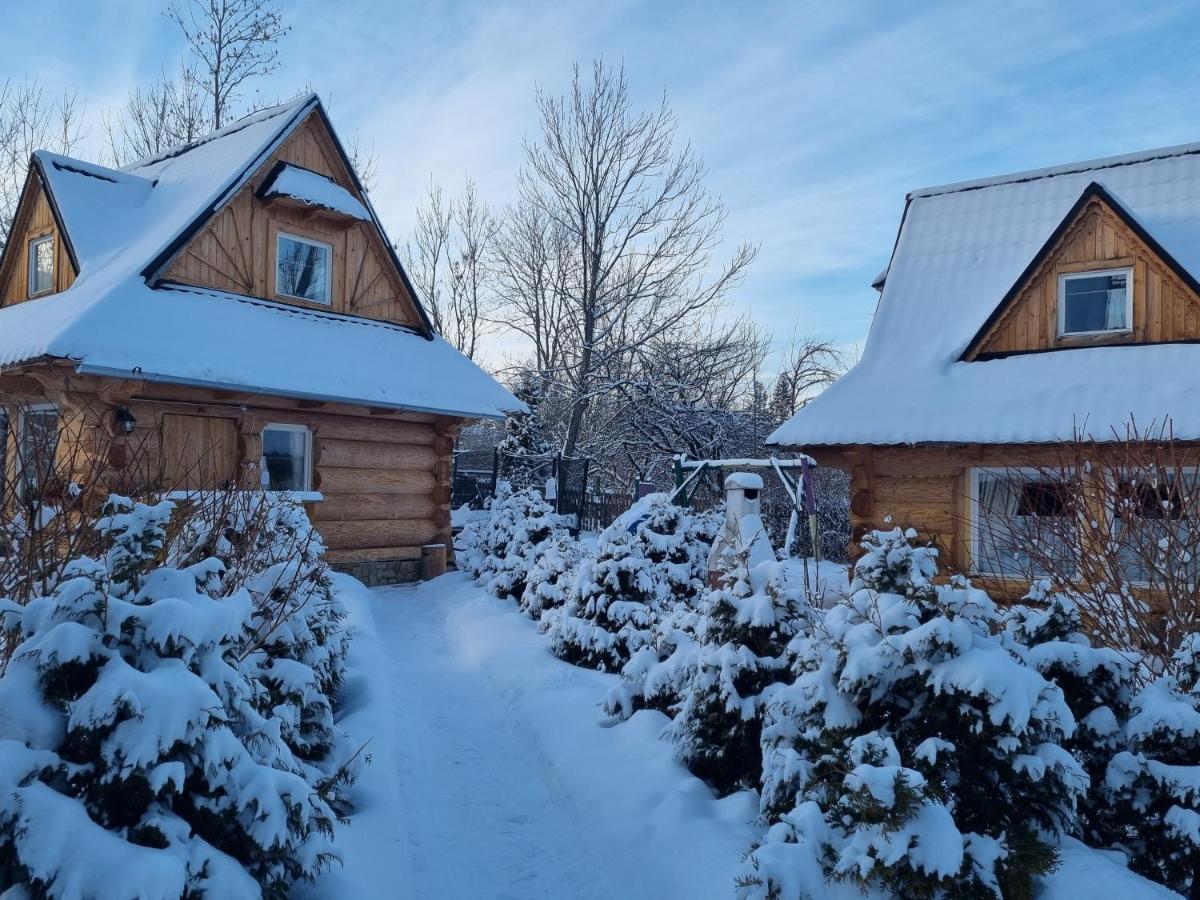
(1017, 316)
(233, 309)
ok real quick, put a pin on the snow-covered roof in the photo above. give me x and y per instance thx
(960, 250)
(314, 189)
(122, 228)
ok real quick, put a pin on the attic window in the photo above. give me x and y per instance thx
(302, 268)
(1095, 302)
(41, 265)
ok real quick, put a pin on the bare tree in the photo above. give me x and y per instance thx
(640, 227)
(809, 365)
(532, 258)
(29, 121)
(169, 112)
(449, 259)
(234, 42)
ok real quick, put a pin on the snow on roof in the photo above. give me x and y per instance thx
(207, 338)
(315, 190)
(123, 225)
(960, 249)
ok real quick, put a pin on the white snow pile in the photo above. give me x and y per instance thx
(166, 713)
(315, 189)
(911, 739)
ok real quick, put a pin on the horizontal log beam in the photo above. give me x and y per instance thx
(371, 454)
(377, 533)
(372, 554)
(332, 480)
(350, 507)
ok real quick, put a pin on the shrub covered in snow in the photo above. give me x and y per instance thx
(1096, 683)
(1153, 787)
(166, 721)
(500, 549)
(643, 570)
(747, 624)
(550, 581)
(914, 752)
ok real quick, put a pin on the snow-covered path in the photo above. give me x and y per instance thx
(493, 775)
(483, 817)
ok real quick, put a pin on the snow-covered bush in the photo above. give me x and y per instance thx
(163, 721)
(740, 657)
(1153, 788)
(1096, 683)
(914, 752)
(499, 549)
(648, 562)
(550, 581)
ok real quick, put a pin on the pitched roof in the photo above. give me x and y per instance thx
(124, 226)
(960, 250)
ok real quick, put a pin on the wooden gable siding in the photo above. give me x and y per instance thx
(1164, 308)
(235, 251)
(34, 219)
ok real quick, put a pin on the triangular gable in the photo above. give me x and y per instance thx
(36, 211)
(1098, 232)
(223, 247)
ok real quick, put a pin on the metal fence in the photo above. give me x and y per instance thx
(562, 480)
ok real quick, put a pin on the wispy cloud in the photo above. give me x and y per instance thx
(815, 118)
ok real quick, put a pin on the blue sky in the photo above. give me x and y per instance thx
(815, 119)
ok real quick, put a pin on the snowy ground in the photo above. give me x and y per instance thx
(492, 774)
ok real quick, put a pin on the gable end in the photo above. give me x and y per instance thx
(1098, 233)
(37, 214)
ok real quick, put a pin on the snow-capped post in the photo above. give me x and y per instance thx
(743, 526)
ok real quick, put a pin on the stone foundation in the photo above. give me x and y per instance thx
(383, 571)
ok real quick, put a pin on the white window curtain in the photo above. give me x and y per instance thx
(1114, 318)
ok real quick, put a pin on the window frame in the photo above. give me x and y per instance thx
(1113, 515)
(312, 242)
(21, 461)
(31, 264)
(1033, 474)
(308, 456)
(1064, 277)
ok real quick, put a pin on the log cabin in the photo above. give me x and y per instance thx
(234, 305)
(1018, 316)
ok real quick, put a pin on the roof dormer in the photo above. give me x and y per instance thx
(1100, 279)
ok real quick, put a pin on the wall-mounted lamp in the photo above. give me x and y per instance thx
(125, 420)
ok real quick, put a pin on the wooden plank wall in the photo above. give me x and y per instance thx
(1164, 308)
(236, 250)
(34, 220)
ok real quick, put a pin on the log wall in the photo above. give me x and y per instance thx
(384, 476)
(928, 487)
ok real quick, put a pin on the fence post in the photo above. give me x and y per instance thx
(495, 469)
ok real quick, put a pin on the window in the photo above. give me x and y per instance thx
(36, 446)
(1153, 526)
(41, 265)
(1095, 302)
(1021, 519)
(286, 458)
(302, 268)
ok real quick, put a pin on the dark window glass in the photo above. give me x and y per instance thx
(1095, 303)
(302, 270)
(285, 459)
